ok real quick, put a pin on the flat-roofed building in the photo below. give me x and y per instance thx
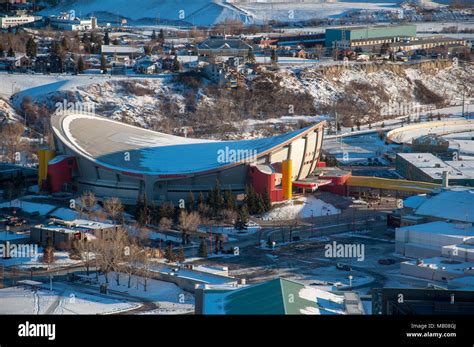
(14, 21)
(427, 167)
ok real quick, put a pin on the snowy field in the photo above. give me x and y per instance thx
(22, 300)
(157, 291)
(303, 207)
(61, 260)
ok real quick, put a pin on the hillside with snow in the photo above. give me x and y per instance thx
(152, 12)
(358, 91)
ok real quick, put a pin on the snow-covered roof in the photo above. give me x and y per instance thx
(121, 49)
(442, 228)
(444, 264)
(434, 167)
(415, 201)
(455, 204)
(135, 150)
(223, 43)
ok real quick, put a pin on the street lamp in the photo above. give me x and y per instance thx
(350, 282)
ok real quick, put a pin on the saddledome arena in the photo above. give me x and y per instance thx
(111, 158)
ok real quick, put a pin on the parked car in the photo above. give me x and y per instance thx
(387, 261)
(344, 267)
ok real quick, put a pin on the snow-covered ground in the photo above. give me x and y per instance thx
(226, 230)
(303, 207)
(61, 260)
(62, 300)
(29, 207)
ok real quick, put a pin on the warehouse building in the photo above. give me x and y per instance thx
(111, 158)
(427, 167)
(428, 240)
(369, 33)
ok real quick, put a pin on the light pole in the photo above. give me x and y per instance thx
(350, 282)
(312, 223)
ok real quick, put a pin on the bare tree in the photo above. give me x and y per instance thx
(114, 209)
(188, 222)
(131, 258)
(87, 204)
(11, 135)
(165, 224)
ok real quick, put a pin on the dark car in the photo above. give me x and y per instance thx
(344, 267)
(387, 261)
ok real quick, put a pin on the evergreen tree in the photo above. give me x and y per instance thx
(176, 65)
(250, 199)
(202, 252)
(242, 219)
(80, 65)
(274, 56)
(169, 253)
(85, 39)
(260, 204)
(31, 48)
(153, 35)
(103, 64)
(229, 201)
(267, 202)
(190, 204)
(11, 52)
(200, 200)
(106, 38)
(180, 257)
(161, 36)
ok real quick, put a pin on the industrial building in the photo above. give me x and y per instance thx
(436, 269)
(369, 33)
(111, 158)
(427, 167)
(386, 301)
(428, 239)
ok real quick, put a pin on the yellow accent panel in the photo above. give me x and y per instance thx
(385, 183)
(287, 173)
(44, 156)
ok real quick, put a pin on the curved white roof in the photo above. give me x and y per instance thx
(124, 147)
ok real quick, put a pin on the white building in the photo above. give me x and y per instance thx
(437, 269)
(69, 21)
(14, 21)
(428, 240)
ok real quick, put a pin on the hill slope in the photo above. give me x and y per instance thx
(197, 12)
